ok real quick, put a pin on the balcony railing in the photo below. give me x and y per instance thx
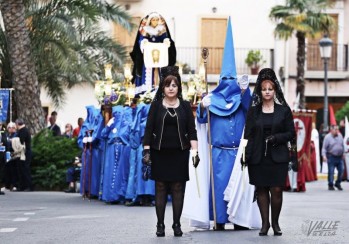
(191, 58)
(337, 62)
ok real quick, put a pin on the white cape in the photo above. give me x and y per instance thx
(196, 208)
(346, 146)
(315, 139)
(239, 195)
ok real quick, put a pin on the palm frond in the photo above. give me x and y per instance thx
(67, 44)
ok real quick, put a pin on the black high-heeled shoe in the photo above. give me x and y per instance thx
(277, 230)
(177, 229)
(160, 230)
(264, 230)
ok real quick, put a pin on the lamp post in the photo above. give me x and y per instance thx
(325, 51)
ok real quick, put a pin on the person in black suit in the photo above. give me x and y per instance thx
(269, 127)
(24, 165)
(169, 135)
(56, 130)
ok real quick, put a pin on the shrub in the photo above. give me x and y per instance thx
(50, 157)
(344, 111)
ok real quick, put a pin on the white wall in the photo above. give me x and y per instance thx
(251, 26)
(77, 99)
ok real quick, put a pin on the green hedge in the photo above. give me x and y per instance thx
(50, 157)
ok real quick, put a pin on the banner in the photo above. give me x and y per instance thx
(155, 53)
(303, 127)
(4, 102)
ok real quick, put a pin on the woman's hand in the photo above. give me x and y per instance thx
(146, 157)
(195, 157)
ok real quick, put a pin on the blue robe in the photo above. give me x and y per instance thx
(227, 123)
(111, 157)
(141, 187)
(116, 166)
(90, 170)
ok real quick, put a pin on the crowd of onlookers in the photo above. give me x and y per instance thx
(16, 154)
(15, 157)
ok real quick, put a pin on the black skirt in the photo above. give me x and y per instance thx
(169, 165)
(268, 173)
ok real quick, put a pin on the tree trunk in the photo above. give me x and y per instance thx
(25, 81)
(300, 68)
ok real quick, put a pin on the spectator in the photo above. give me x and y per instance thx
(332, 153)
(71, 175)
(76, 131)
(56, 131)
(2, 159)
(68, 131)
(24, 165)
(11, 166)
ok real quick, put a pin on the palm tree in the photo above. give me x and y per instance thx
(304, 18)
(25, 81)
(66, 45)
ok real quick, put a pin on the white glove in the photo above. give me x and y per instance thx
(206, 101)
(110, 122)
(143, 43)
(193, 152)
(167, 42)
(84, 140)
(243, 82)
(89, 139)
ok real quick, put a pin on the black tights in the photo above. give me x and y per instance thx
(177, 192)
(274, 199)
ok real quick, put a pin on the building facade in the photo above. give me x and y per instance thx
(195, 24)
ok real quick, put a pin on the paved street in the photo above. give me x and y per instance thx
(55, 217)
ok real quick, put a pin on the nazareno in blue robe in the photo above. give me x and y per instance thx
(111, 157)
(90, 156)
(116, 165)
(139, 186)
(227, 119)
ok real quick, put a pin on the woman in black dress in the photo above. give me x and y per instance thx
(269, 127)
(169, 134)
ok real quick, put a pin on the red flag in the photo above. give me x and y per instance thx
(332, 117)
(302, 124)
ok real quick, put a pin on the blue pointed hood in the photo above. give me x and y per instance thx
(228, 64)
(226, 97)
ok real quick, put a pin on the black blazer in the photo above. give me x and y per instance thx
(155, 125)
(282, 129)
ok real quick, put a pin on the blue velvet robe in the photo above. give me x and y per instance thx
(139, 185)
(227, 124)
(116, 166)
(90, 170)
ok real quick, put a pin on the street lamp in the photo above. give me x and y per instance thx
(325, 51)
